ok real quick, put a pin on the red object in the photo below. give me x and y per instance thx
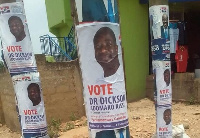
(181, 58)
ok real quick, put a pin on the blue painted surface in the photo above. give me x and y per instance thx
(146, 1)
(58, 46)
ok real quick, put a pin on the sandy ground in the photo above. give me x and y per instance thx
(142, 121)
(6, 133)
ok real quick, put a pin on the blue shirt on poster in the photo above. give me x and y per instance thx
(160, 49)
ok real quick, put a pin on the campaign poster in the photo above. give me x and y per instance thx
(164, 122)
(103, 79)
(159, 22)
(30, 105)
(16, 43)
(163, 82)
(160, 49)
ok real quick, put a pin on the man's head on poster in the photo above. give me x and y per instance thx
(16, 28)
(34, 93)
(167, 116)
(165, 20)
(167, 77)
(106, 50)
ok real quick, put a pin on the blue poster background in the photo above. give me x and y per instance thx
(160, 49)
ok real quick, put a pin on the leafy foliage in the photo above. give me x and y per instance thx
(54, 128)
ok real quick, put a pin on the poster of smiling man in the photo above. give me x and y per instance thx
(103, 79)
(16, 44)
(30, 105)
(163, 82)
(164, 122)
(163, 98)
(159, 21)
(19, 58)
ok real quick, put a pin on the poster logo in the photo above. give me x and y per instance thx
(24, 78)
(167, 65)
(4, 9)
(163, 9)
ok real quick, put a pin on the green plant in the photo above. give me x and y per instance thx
(50, 59)
(1, 65)
(85, 123)
(74, 54)
(73, 116)
(192, 100)
(54, 128)
(69, 126)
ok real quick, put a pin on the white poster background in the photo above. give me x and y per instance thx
(33, 118)
(163, 130)
(155, 13)
(164, 91)
(18, 56)
(93, 74)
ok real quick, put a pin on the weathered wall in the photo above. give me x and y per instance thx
(8, 102)
(1, 107)
(9, 114)
(62, 92)
(185, 87)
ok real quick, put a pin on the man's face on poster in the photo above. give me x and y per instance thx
(165, 20)
(167, 76)
(167, 116)
(16, 27)
(34, 94)
(105, 48)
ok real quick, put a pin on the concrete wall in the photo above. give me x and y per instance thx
(62, 92)
(2, 120)
(9, 113)
(185, 87)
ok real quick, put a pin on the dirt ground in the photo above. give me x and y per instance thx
(141, 121)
